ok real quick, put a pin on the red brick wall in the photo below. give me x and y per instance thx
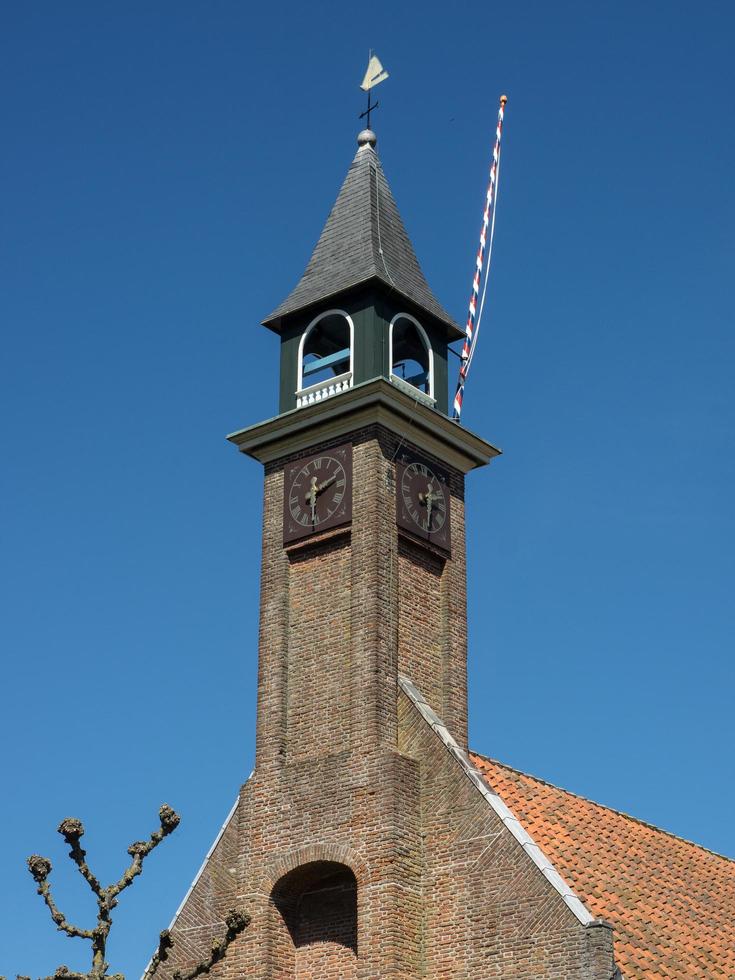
(421, 619)
(318, 907)
(339, 615)
(318, 662)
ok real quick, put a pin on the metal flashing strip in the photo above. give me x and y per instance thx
(200, 872)
(508, 818)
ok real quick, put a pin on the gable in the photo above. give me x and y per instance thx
(499, 907)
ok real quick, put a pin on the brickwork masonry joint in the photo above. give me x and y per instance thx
(507, 817)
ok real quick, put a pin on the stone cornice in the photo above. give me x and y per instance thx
(375, 402)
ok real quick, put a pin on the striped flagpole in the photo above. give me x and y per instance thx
(473, 320)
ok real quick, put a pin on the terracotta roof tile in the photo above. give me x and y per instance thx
(671, 902)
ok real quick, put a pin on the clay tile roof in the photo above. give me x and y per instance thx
(364, 239)
(671, 902)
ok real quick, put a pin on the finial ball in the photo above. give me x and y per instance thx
(503, 99)
(365, 137)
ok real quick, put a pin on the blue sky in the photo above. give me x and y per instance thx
(166, 171)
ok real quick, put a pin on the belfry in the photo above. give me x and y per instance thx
(368, 843)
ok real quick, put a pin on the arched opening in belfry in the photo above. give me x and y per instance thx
(325, 353)
(316, 931)
(412, 359)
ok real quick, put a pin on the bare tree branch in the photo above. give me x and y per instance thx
(141, 849)
(72, 830)
(165, 943)
(235, 921)
(64, 973)
(40, 868)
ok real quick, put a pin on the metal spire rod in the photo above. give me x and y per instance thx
(374, 75)
(369, 109)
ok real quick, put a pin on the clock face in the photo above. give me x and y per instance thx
(317, 493)
(422, 500)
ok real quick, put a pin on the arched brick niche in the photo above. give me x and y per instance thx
(316, 932)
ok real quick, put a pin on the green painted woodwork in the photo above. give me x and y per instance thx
(371, 310)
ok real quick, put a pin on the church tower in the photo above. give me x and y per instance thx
(365, 845)
(363, 537)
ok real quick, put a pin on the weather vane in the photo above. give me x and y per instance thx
(374, 75)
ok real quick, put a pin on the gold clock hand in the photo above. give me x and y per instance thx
(326, 483)
(311, 499)
(429, 502)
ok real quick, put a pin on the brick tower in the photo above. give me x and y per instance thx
(365, 845)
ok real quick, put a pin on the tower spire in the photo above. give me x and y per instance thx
(363, 241)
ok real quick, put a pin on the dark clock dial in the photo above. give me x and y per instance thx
(317, 493)
(423, 500)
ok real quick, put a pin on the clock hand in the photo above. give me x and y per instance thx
(311, 499)
(427, 499)
(326, 483)
(317, 488)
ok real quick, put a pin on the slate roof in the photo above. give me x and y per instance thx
(364, 239)
(671, 902)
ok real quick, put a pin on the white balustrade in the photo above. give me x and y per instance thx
(323, 389)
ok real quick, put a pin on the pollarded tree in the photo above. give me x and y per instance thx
(72, 830)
